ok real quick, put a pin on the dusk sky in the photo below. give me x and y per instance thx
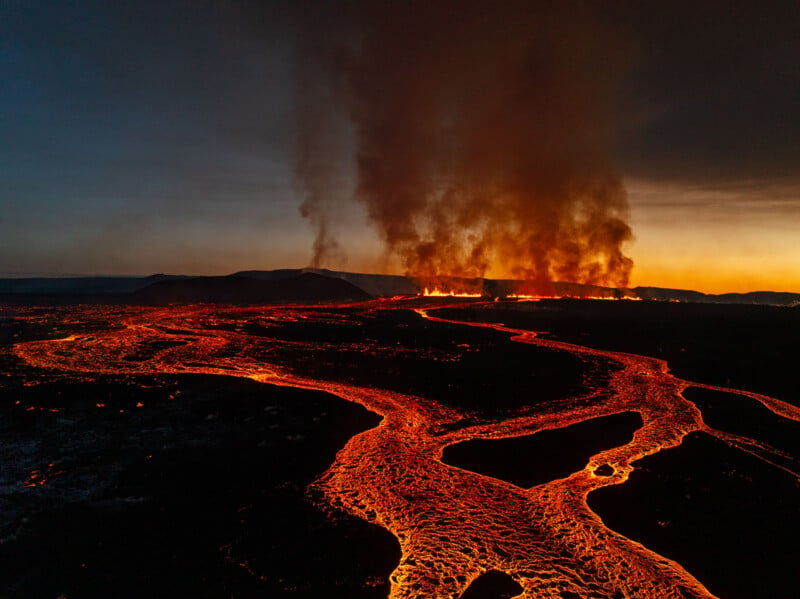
(143, 137)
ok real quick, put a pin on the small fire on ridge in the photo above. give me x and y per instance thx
(517, 290)
(436, 292)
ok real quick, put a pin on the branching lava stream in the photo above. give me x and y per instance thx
(452, 524)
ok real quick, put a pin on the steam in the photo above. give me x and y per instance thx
(483, 135)
(315, 178)
(315, 166)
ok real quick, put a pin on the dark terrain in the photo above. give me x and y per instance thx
(744, 346)
(474, 370)
(728, 518)
(547, 455)
(301, 288)
(199, 492)
(492, 585)
(319, 285)
(202, 490)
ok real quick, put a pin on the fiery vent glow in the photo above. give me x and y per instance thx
(448, 293)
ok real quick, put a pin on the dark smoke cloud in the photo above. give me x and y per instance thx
(713, 97)
(483, 134)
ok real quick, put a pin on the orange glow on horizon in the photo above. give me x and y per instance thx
(715, 281)
(735, 237)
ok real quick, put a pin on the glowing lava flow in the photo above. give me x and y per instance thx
(436, 292)
(452, 524)
(523, 296)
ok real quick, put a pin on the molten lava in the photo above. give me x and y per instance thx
(453, 525)
(436, 292)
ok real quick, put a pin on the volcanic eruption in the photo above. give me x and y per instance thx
(482, 138)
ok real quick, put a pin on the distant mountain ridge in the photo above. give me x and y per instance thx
(81, 284)
(311, 285)
(375, 285)
(770, 298)
(305, 287)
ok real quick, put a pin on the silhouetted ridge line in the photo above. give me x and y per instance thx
(302, 288)
(95, 284)
(262, 286)
(772, 298)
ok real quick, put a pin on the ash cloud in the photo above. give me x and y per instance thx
(483, 135)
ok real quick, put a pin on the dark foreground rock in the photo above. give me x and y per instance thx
(492, 585)
(547, 455)
(200, 494)
(729, 518)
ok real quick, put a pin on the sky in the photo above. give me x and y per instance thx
(143, 137)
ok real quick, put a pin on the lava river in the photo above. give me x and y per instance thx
(452, 524)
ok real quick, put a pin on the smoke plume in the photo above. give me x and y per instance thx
(315, 164)
(483, 134)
